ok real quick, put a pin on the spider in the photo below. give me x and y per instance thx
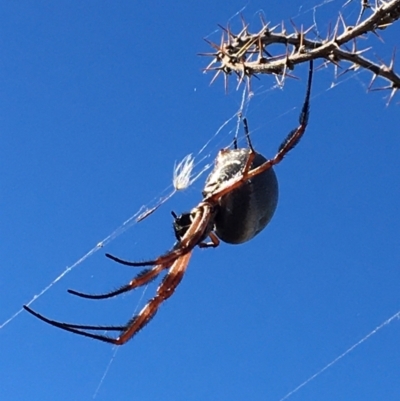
(239, 200)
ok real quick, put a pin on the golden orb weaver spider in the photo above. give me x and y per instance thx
(239, 200)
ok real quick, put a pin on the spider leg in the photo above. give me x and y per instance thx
(213, 244)
(71, 325)
(192, 237)
(142, 278)
(288, 144)
(176, 260)
(164, 291)
(294, 136)
(75, 328)
(247, 134)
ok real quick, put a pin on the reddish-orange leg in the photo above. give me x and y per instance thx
(164, 291)
(288, 144)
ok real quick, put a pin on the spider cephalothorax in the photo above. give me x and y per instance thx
(239, 199)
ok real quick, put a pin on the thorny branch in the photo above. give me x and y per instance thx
(249, 54)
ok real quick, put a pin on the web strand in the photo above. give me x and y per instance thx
(337, 359)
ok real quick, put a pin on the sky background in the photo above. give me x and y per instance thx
(98, 100)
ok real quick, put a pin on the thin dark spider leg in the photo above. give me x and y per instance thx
(294, 136)
(235, 138)
(164, 291)
(71, 328)
(191, 239)
(252, 153)
(247, 134)
(288, 144)
(142, 278)
(129, 263)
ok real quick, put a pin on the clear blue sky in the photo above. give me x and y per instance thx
(98, 99)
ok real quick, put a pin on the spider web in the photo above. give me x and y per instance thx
(185, 173)
(188, 171)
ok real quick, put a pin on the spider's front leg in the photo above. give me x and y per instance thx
(288, 144)
(189, 236)
(164, 291)
(143, 278)
(294, 136)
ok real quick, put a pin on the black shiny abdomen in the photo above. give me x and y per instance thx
(245, 211)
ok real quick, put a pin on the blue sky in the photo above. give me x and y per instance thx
(98, 100)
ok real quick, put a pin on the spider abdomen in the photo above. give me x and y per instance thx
(245, 211)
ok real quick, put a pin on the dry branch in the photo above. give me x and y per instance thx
(250, 54)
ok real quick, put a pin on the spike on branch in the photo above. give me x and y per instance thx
(250, 54)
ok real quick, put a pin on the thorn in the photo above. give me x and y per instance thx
(241, 79)
(245, 26)
(374, 76)
(362, 51)
(294, 26)
(216, 76)
(309, 29)
(329, 32)
(335, 31)
(345, 27)
(278, 81)
(291, 76)
(392, 93)
(332, 59)
(262, 19)
(384, 67)
(353, 67)
(262, 32)
(229, 34)
(364, 5)
(207, 54)
(260, 50)
(382, 88)
(301, 42)
(226, 83)
(212, 44)
(342, 21)
(391, 65)
(271, 30)
(283, 74)
(323, 65)
(377, 35)
(211, 69)
(283, 32)
(354, 46)
(223, 28)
